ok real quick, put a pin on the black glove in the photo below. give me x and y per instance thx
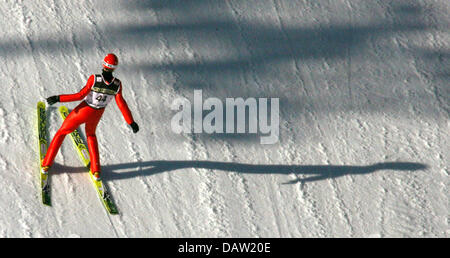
(52, 100)
(135, 127)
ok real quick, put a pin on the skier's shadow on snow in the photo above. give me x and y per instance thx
(313, 172)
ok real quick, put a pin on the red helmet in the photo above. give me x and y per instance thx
(110, 61)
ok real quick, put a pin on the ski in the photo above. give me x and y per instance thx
(83, 153)
(42, 150)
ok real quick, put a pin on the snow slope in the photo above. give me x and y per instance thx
(364, 117)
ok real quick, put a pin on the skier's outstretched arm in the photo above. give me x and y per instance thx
(123, 106)
(73, 97)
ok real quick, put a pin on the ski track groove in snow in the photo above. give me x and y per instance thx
(309, 197)
(238, 18)
(3, 163)
(163, 221)
(144, 181)
(241, 184)
(419, 200)
(349, 61)
(173, 219)
(404, 202)
(133, 149)
(137, 156)
(277, 5)
(298, 75)
(25, 217)
(76, 59)
(382, 209)
(292, 156)
(68, 182)
(96, 34)
(221, 210)
(238, 179)
(430, 80)
(25, 21)
(274, 201)
(167, 56)
(4, 132)
(211, 199)
(343, 211)
(415, 189)
(21, 138)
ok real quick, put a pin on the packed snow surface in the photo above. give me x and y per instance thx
(364, 102)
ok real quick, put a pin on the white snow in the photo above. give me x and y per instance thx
(360, 83)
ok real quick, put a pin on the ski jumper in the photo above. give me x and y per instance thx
(97, 93)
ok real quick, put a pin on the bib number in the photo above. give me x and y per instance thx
(98, 100)
(101, 98)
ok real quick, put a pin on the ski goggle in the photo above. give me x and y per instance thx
(110, 66)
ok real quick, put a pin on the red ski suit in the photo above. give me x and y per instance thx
(84, 113)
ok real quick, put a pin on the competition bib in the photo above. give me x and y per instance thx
(102, 93)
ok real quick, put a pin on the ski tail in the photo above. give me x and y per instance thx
(83, 154)
(42, 150)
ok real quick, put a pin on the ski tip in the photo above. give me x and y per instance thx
(63, 109)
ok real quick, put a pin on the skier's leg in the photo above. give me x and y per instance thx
(93, 152)
(91, 126)
(73, 120)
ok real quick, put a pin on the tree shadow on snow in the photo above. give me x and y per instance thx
(255, 55)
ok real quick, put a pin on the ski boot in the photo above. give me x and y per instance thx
(96, 176)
